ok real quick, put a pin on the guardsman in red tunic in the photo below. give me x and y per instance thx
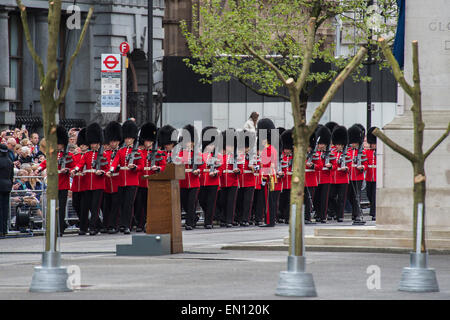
(96, 165)
(78, 181)
(331, 212)
(154, 162)
(339, 183)
(128, 162)
(111, 197)
(286, 165)
(190, 186)
(328, 160)
(210, 174)
(229, 178)
(167, 139)
(247, 179)
(371, 171)
(269, 164)
(65, 164)
(312, 165)
(356, 171)
(258, 208)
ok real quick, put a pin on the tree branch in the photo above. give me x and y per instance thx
(398, 73)
(332, 90)
(438, 142)
(37, 59)
(72, 58)
(266, 62)
(261, 92)
(394, 146)
(308, 54)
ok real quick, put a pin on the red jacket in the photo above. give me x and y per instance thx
(228, 178)
(190, 180)
(160, 161)
(324, 175)
(63, 178)
(354, 173)
(206, 167)
(127, 177)
(286, 166)
(311, 175)
(112, 183)
(247, 178)
(340, 176)
(78, 180)
(92, 180)
(371, 165)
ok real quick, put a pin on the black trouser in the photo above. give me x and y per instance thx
(339, 193)
(219, 213)
(332, 202)
(271, 205)
(111, 208)
(77, 198)
(91, 202)
(309, 201)
(127, 195)
(188, 197)
(260, 205)
(140, 207)
(4, 212)
(354, 195)
(207, 198)
(322, 194)
(284, 204)
(371, 190)
(228, 199)
(62, 203)
(244, 204)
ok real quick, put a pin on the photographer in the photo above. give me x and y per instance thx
(6, 181)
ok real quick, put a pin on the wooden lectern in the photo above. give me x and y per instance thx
(163, 205)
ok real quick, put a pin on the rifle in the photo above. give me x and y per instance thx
(135, 154)
(64, 160)
(341, 161)
(211, 163)
(99, 160)
(357, 160)
(311, 154)
(326, 156)
(153, 156)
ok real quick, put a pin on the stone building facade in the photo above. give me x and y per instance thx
(113, 22)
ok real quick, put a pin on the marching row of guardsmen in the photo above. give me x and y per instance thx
(233, 186)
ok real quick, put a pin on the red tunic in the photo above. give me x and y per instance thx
(63, 178)
(311, 175)
(206, 167)
(340, 176)
(228, 178)
(112, 183)
(127, 177)
(247, 178)
(78, 184)
(190, 180)
(356, 174)
(324, 175)
(160, 161)
(371, 165)
(286, 166)
(92, 180)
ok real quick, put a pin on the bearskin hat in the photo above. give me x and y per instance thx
(324, 134)
(371, 138)
(165, 135)
(281, 130)
(148, 132)
(248, 137)
(339, 136)
(213, 134)
(268, 125)
(130, 129)
(229, 138)
(313, 137)
(81, 138)
(363, 130)
(287, 139)
(61, 135)
(94, 133)
(331, 125)
(113, 132)
(355, 135)
(191, 130)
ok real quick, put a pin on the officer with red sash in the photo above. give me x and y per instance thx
(65, 164)
(210, 174)
(96, 165)
(286, 165)
(339, 183)
(371, 171)
(154, 162)
(356, 171)
(128, 161)
(111, 198)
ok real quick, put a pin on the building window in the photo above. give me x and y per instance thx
(15, 59)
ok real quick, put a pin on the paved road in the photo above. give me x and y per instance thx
(205, 271)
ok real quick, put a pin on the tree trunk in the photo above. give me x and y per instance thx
(419, 192)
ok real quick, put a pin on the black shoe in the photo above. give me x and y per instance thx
(103, 230)
(340, 220)
(235, 224)
(309, 222)
(358, 221)
(188, 227)
(139, 229)
(208, 226)
(112, 230)
(61, 234)
(280, 221)
(121, 229)
(126, 231)
(81, 233)
(374, 218)
(93, 232)
(244, 224)
(286, 221)
(268, 225)
(222, 224)
(229, 225)
(257, 223)
(323, 221)
(329, 218)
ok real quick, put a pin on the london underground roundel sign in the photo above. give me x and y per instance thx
(111, 63)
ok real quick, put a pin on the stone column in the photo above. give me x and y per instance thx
(428, 22)
(6, 92)
(40, 41)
